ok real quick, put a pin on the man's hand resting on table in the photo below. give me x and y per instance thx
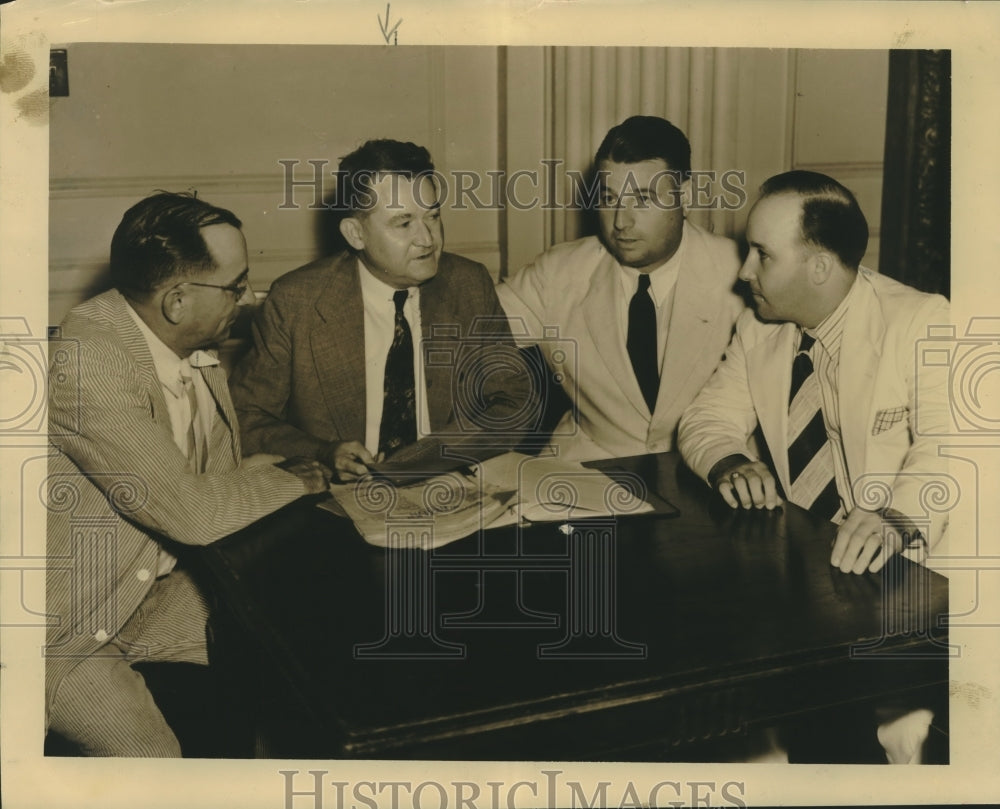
(866, 539)
(744, 483)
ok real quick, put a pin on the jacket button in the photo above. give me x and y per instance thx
(142, 574)
(100, 636)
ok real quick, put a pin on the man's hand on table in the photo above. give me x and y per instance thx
(743, 483)
(867, 539)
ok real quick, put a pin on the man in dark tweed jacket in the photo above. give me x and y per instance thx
(364, 352)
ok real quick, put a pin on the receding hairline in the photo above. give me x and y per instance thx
(803, 242)
(812, 195)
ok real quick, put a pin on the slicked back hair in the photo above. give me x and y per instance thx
(831, 216)
(159, 239)
(361, 169)
(647, 137)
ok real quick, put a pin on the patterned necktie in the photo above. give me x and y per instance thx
(399, 419)
(810, 451)
(641, 341)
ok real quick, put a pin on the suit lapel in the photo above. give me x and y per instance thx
(860, 352)
(600, 307)
(338, 347)
(117, 311)
(436, 309)
(694, 309)
(215, 379)
(224, 440)
(769, 371)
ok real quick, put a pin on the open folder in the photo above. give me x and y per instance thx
(507, 489)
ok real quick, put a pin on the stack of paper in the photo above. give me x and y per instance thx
(508, 489)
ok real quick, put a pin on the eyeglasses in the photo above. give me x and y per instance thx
(239, 287)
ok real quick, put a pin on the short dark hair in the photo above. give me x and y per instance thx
(831, 216)
(360, 169)
(647, 137)
(160, 239)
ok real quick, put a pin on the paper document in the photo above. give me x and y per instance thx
(508, 489)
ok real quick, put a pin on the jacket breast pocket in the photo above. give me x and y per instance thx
(890, 419)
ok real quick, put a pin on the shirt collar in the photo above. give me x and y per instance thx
(169, 367)
(373, 289)
(830, 329)
(661, 279)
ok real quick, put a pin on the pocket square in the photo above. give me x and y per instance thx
(888, 418)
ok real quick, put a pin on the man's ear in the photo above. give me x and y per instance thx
(821, 266)
(686, 194)
(353, 233)
(174, 306)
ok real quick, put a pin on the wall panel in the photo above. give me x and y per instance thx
(218, 118)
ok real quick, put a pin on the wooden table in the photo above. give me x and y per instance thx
(624, 636)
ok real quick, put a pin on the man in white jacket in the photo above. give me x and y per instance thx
(649, 305)
(826, 367)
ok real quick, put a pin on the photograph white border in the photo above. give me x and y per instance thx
(967, 29)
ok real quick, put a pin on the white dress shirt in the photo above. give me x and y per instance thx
(825, 356)
(662, 281)
(169, 370)
(380, 324)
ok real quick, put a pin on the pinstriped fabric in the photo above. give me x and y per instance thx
(119, 482)
(168, 624)
(826, 359)
(103, 705)
(105, 708)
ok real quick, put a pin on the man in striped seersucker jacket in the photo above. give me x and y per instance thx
(147, 454)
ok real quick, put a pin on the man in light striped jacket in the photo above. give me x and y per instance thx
(146, 459)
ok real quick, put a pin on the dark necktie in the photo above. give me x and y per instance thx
(399, 420)
(641, 342)
(810, 451)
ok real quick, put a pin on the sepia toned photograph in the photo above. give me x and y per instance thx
(494, 420)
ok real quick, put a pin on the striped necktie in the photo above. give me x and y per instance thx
(810, 451)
